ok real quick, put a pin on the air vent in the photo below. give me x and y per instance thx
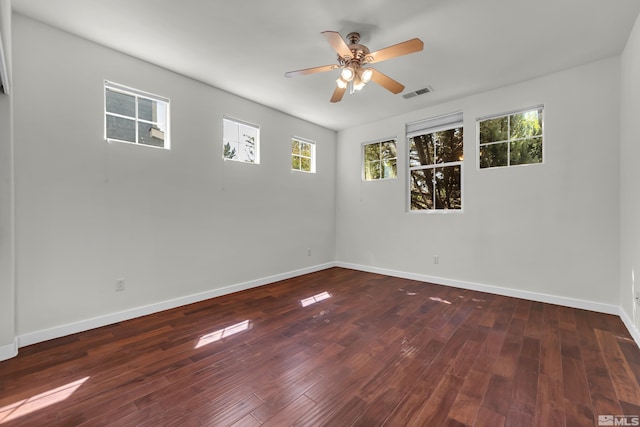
(417, 92)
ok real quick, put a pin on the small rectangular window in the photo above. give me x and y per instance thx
(135, 117)
(303, 155)
(380, 160)
(435, 163)
(510, 139)
(240, 141)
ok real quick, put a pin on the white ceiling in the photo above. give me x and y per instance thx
(245, 46)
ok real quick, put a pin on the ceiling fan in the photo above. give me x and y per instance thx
(353, 58)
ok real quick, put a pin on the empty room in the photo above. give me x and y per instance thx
(310, 213)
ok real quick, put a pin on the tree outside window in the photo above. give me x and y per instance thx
(435, 170)
(510, 140)
(380, 160)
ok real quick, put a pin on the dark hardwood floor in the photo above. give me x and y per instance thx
(378, 351)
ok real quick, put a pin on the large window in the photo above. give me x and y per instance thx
(380, 160)
(135, 117)
(303, 155)
(435, 163)
(510, 139)
(241, 141)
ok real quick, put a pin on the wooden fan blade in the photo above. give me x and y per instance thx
(404, 48)
(337, 43)
(386, 82)
(338, 94)
(311, 70)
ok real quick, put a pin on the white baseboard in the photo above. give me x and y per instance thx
(11, 350)
(96, 322)
(533, 296)
(8, 351)
(631, 327)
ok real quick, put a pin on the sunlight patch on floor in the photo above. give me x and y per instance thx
(40, 401)
(222, 333)
(315, 298)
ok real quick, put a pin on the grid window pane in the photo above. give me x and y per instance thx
(526, 151)
(121, 129)
(494, 155)
(494, 130)
(120, 103)
(422, 189)
(372, 170)
(448, 184)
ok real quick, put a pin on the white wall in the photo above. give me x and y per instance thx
(539, 230)
(7, 284)
(173, 223)
(630, 178)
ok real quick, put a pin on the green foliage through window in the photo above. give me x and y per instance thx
(380, 160)
(303, 155)
(514, 139)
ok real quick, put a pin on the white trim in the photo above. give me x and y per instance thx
(8, 351)
(633, 330)
(96, 322)
(509, 292)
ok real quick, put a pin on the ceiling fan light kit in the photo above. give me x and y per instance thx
(352, 59)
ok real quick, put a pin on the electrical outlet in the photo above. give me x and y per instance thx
(119, 285)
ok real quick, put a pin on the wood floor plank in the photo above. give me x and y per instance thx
(379, 350)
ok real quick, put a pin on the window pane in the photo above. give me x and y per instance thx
(295, 147)
(421, 150)
(526, 124)
(230, 151)
(372, 170)
(305, 149)
(148, 110)
(449, 146)
(448, 188)
(421, 189)
(305, 164)
(371, 152)
(526, 151)
(246, 150)
(389, 168)
(295, 163)
(149, 134)
(494, 130)
(493, 155)
(122, 129)
(120, 103)
(388, 150)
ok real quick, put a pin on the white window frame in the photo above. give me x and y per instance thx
(364, 160)
(137, 94)
(312, 159)
(425, 127)
(235, 141)
(508, 140)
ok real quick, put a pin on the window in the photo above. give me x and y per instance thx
(303, 155)
(380, 160)
(512, 139)
(240, 141)
(435, 163)
(135, 117)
